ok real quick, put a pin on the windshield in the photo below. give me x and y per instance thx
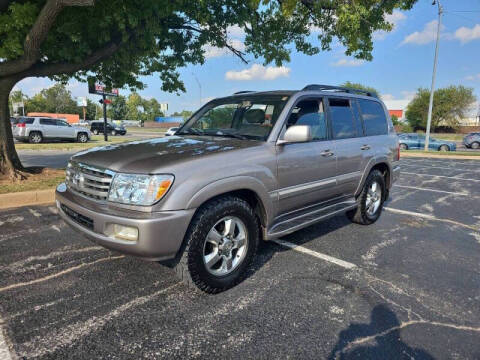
(244, 118)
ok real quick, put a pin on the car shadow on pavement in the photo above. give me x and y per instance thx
(381, 339)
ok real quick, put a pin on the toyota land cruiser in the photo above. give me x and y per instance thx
(244, 168)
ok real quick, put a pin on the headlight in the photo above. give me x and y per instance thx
(139, 189)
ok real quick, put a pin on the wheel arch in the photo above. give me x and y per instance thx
(377, 164)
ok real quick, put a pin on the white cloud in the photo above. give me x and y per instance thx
(348, 62)
(423, 37)
(395, 18)
(213, 51)
(387, 97)
(258, 72)
(473, 77)
(235, 31)
(465, 34)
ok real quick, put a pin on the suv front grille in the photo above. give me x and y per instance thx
(89, 181)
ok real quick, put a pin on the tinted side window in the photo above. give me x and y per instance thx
(343, 126)
(26, 120)
(61, 123)
(374, 118)
(47, 122)
(310, 112)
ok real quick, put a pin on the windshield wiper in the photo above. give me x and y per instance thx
(191, 131)
(235, 136)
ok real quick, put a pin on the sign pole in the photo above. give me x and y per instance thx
(105, 135)
(84, 114)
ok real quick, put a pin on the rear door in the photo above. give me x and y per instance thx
(352, 151)
(49, 128)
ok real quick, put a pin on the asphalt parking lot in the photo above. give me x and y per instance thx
(406, 287)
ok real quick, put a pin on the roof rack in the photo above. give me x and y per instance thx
(243, 92)
(339, 89)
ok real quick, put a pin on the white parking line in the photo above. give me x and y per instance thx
(431, 217)
(441, 176)
(4, 351)
(316, 254)
(433, 190)
(440, 167)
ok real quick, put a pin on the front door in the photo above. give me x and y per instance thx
(306, 171)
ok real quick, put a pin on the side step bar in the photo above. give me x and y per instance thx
(315, 214)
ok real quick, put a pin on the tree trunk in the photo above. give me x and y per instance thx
(10, 164)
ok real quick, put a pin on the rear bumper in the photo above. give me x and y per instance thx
(160, 235)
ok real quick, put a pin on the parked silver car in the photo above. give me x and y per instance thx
(248, 167)
(472, 140)
(38, 129)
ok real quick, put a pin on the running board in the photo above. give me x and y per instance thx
(301, 219)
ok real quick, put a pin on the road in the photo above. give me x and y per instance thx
(413, 290)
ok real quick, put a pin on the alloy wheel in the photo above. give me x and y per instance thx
(374, 198)
(225, 246)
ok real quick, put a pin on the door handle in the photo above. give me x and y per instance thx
(365, 147)
(326, 153)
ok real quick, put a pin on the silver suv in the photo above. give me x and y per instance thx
(244, 168)
(38, 129)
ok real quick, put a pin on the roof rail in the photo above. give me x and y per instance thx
(243, 92)
(339, 89)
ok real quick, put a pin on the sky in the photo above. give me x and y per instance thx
(402, 62)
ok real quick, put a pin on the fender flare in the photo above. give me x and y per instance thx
(371, 164)
(231, 184)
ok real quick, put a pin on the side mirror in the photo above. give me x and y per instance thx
(297, 134)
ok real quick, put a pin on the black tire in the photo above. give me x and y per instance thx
(95, 132)
(82, 138)
(35, 137)
(444, 148)
(114, 133)
(403, 147)
(360, 214)
(475, 145)
(191, 268)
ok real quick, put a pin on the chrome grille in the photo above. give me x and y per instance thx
(88, 180)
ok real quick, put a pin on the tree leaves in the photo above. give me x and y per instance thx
(450, 104)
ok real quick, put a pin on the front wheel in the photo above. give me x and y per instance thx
(370, 201)
(475, 145)
(114, 133)
(220, 245)
(444, 148)
(95, 132)
(35, 137)
(403, 147)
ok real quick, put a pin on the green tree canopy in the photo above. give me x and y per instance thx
(450, 104)
(118, 40)
(118, 109)
(359, 86)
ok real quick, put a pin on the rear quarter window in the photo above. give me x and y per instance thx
(374, 118)
(26, 120)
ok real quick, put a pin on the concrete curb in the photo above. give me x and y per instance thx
(27, 198)
(439, 156)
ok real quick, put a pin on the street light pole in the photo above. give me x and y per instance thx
(199, 87)
(430, 104)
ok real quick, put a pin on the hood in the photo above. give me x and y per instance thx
(147, 156)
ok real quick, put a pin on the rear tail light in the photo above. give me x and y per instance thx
(21, 125)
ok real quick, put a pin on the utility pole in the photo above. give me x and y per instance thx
(432, 90)
(105, 133)
(199, 88)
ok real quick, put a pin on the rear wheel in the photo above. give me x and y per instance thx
(220, 245)
(444, 148)
(403, 147)
(114, 133)
(475, 145)
(35, 137)
(82, 138)
(95, 132)
(370, 201)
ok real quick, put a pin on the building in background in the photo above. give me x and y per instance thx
(70, 118)
(397, 108)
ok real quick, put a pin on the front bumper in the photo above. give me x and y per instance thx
(160, 234)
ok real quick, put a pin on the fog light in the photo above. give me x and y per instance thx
(125, 232)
